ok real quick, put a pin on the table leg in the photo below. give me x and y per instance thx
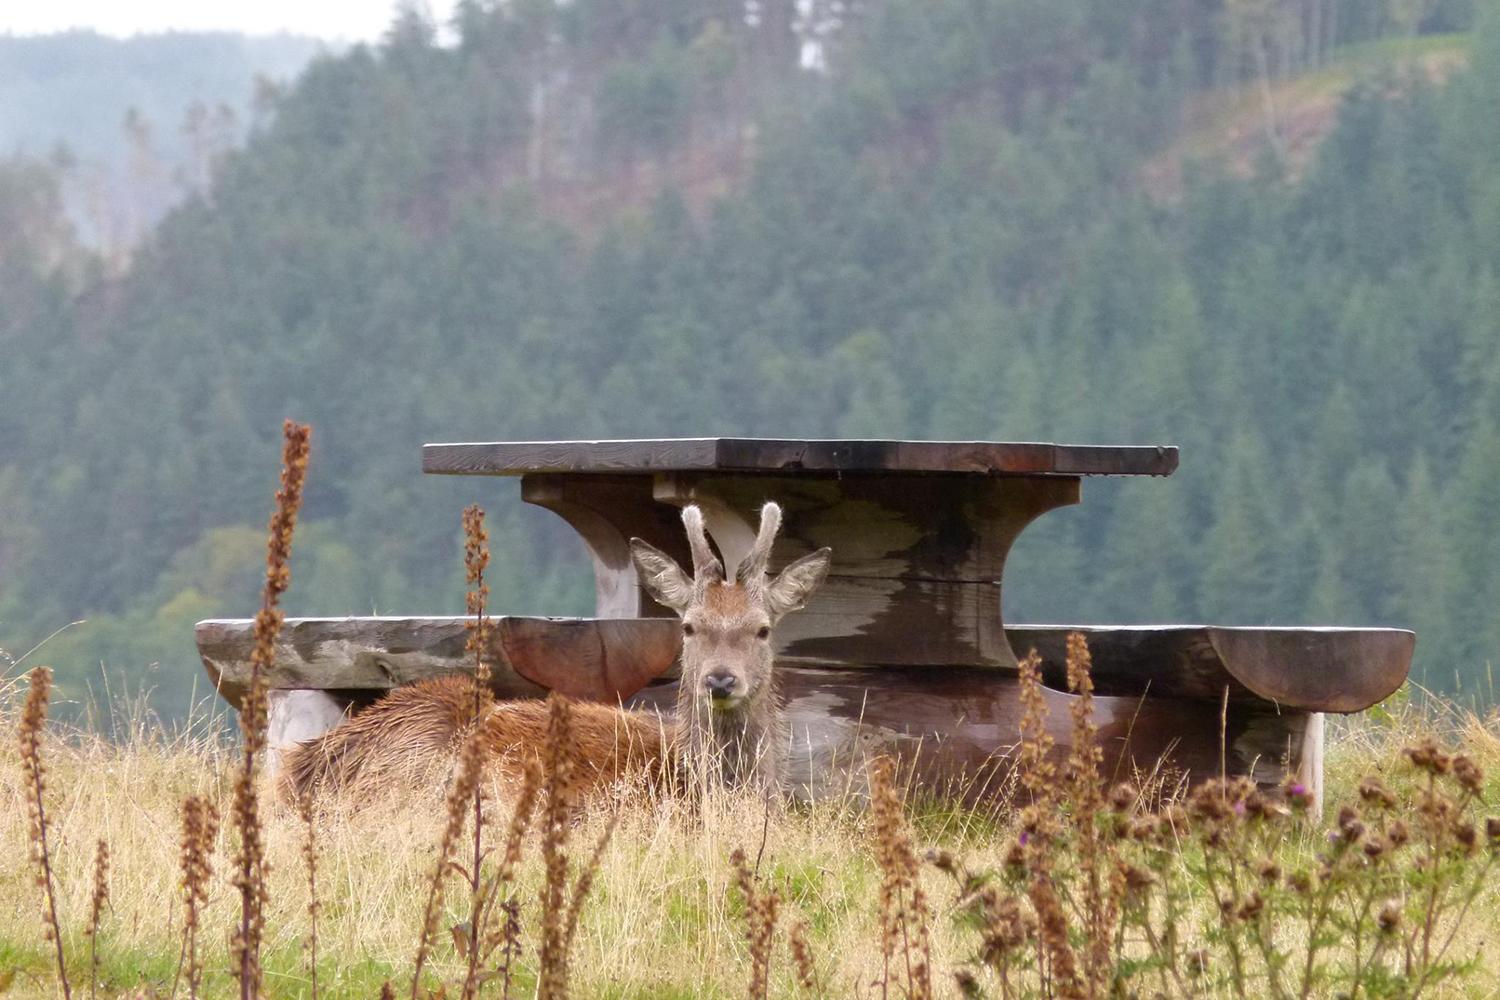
(917, 560)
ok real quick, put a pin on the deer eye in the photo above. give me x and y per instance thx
(687, 628)
(764, 632)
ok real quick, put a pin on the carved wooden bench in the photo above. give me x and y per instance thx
(903, 648)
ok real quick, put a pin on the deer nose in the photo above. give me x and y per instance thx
(720, 685)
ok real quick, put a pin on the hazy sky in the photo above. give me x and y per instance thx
(349, 19)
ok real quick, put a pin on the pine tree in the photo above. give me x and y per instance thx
(1237, 584)
(1425, 575)
(1362, 528)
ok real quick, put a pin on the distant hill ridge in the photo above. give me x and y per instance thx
(188, 96)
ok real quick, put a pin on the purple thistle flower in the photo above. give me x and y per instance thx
(1239, 808)
(1298, 789)
(1025, 837)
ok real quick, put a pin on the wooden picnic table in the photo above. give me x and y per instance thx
(919, 529)
(903, 650)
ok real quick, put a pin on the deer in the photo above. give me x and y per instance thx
(727, 730)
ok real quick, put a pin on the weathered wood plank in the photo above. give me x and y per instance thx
(959, 729)
(601, 659)
(1318, 669)
(917, 564)
(607, 511)
(1335, 670)
(780, 455)
(609, 659)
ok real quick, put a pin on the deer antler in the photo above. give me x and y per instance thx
(706, 566)
(752, 569)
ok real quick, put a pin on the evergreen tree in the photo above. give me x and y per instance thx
(1424, 573)
(1237, 584)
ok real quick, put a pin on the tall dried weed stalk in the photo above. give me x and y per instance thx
(476, 558)
(762, 907)
(803, 962)
(498, 912)
(461, 791)
(34, 773)
(200, 828)
(905, 944)
(559, 802)
(489, 941)
(97, 903)
(306, 812)
(250, 874)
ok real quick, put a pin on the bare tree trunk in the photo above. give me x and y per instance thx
(1267, 101)
(537, 138)
(1315, 35)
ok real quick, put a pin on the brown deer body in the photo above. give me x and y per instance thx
(728, 728)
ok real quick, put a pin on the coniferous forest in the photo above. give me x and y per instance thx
(882, 218)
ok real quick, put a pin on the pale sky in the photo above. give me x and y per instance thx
(354, 20)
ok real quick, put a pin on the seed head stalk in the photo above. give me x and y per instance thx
(29, 734)
(200, 826)
(476, 558)
(250, 876)
(96, 911)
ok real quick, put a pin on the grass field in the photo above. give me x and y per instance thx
(662, 919)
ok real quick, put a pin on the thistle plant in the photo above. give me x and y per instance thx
(1229, 889)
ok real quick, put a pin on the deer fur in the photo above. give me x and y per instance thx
(728, 728)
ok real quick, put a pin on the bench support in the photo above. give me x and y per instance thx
(295, 716)
(1310, 764)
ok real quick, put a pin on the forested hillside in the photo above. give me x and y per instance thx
(906, 218)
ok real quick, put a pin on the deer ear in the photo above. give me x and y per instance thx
(661, 576)
(795, 584)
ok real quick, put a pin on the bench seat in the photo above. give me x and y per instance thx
(1198, 700)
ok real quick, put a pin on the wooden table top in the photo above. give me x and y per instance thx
(783, 456)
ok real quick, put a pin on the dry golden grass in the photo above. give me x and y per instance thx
(661, 919)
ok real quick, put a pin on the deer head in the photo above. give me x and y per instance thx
(725, 691)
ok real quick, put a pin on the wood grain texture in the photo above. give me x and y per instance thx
(609, 659)
(1334, 670)
(917, 559)
(1317, 669)
(920, 530)
(595, 659)
(514, 458)
(607, 511)
(958, 730)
